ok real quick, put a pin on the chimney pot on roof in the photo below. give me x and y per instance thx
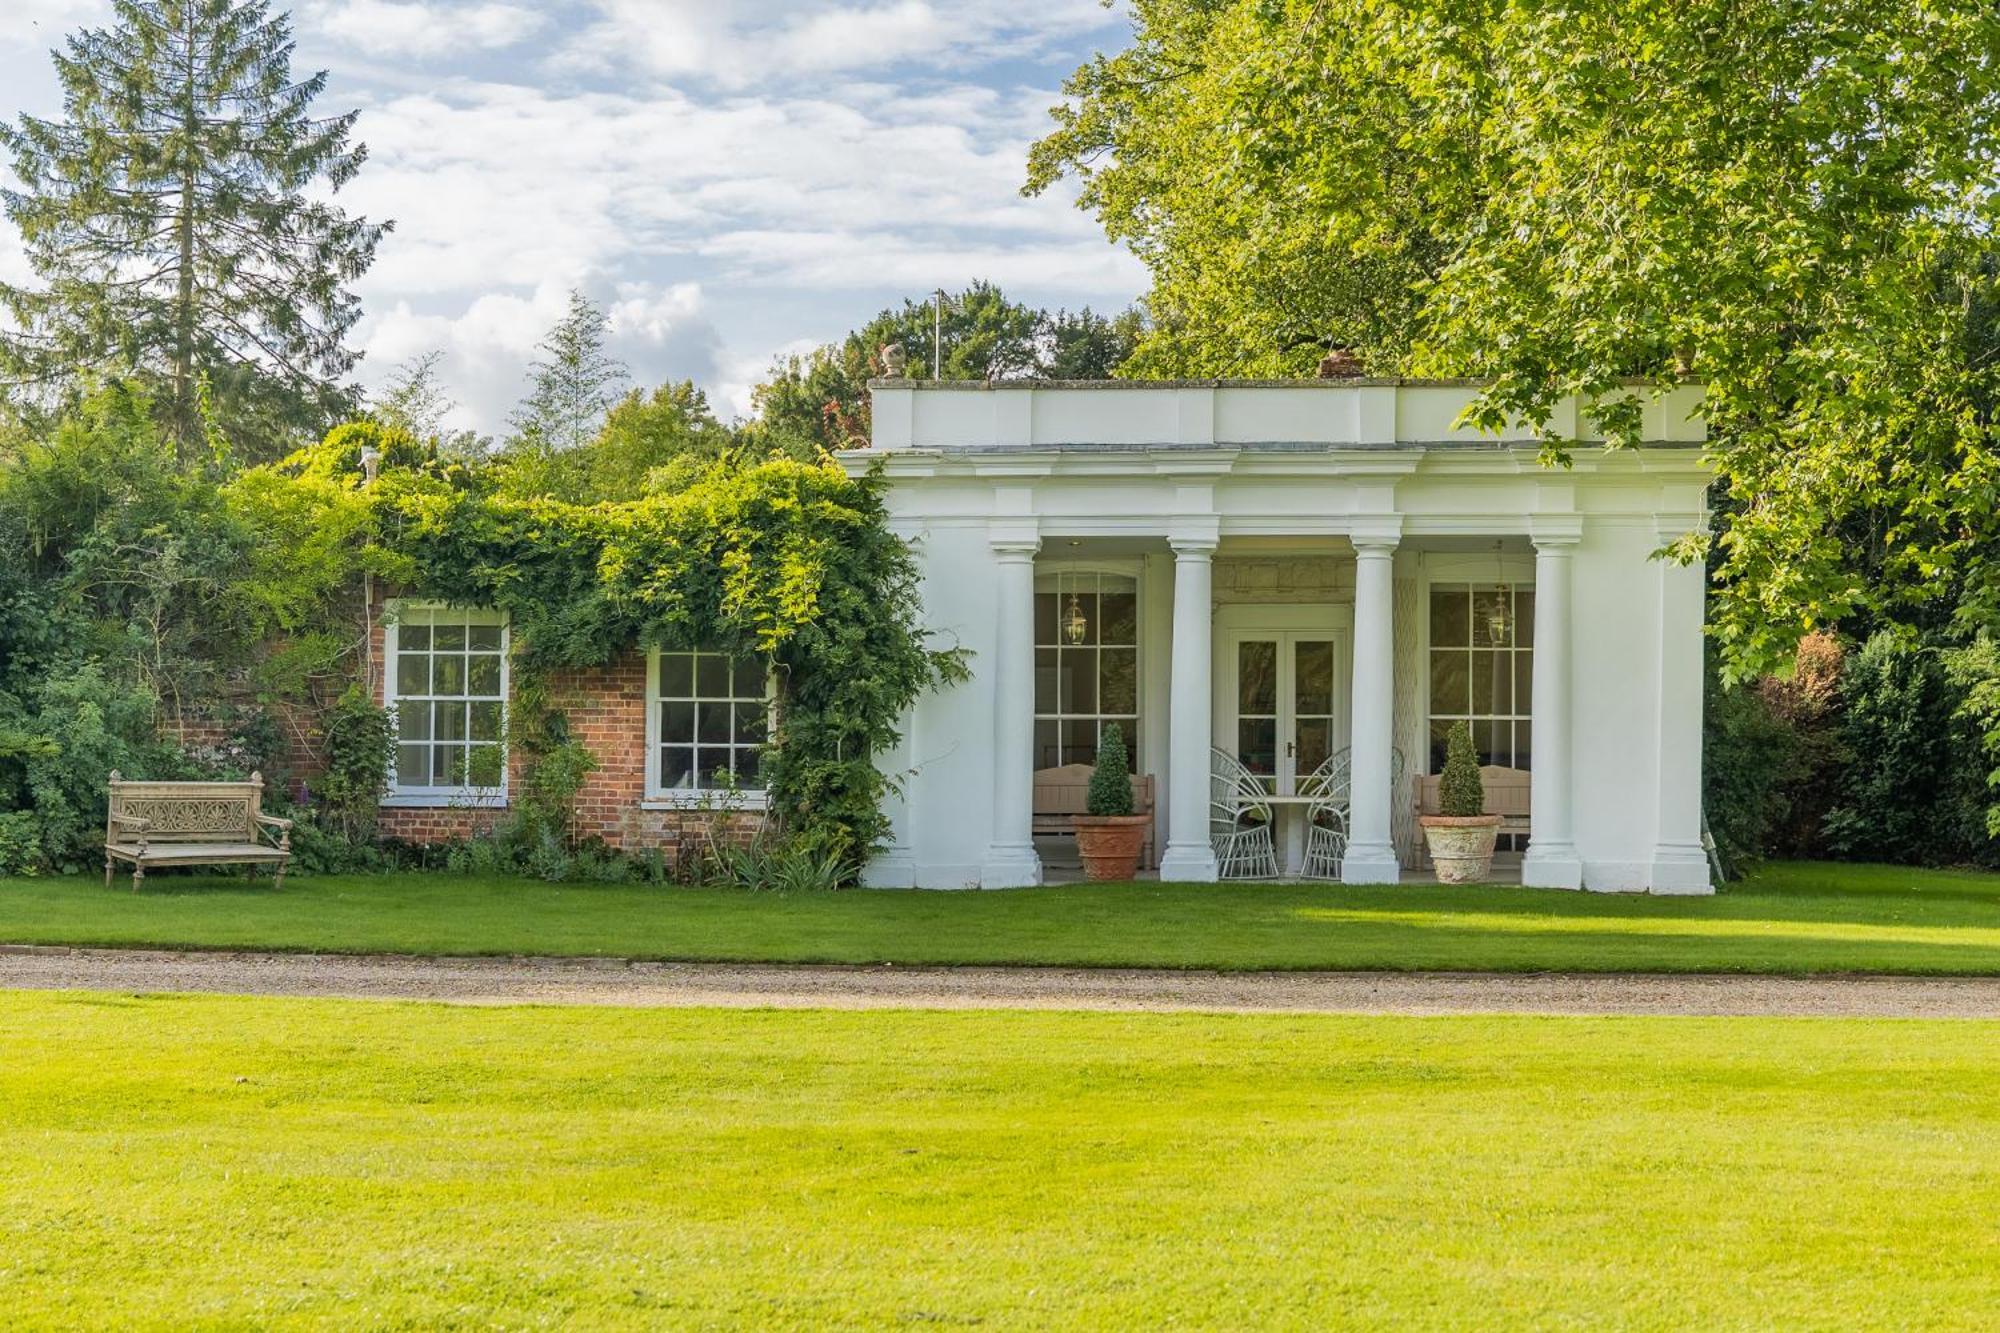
(1340, 364)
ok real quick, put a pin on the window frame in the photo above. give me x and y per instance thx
(658, 797)
(1515, 570)
(400, 793)
(1058, 570)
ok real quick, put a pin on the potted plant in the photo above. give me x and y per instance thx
(1460, 836)
(1110, 836)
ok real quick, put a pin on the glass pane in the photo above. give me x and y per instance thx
(413, 673)
(483, 638)
(1082, 619)
(482, 675)
(1449, 688)
(413, 765)
(1257, 744)
(1045, 618)
(1315, 743)
(711, 723)
(712, 767)
(1118, 674)
(1492, 681)
(413, 638)
(485, 721)
(677, 722)
(676, 766)
(450, 719)
(1079, 742)
(1492, 618)
(747, 767)
(1312, 677)
(1524, 753)
(711, 676)
(413, 721)
(448, 638)
(1440, 738)
(1494, 741)
(485, 766)
(676, 676)
(448, 676)
(1046, 754)
(1524, 682)
(1449, 616)
(1257, 676)
(1076, 682)
(448, 770)
(1121, 618)
(751, 720)
(749, 672)
(1045, 680)
(1524, 616)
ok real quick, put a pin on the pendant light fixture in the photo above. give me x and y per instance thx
(1497, 622)
(1075, 626)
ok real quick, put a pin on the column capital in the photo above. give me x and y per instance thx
(1555, 532)
(1014, 538)
(1376, 534)
(1195, 536)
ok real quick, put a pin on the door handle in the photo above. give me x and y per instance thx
(1291, 750)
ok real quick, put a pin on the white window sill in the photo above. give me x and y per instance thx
(706, 800)
(444, 800)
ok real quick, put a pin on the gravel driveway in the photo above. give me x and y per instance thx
(669, 985)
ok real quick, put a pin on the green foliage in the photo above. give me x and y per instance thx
(1791, 203)
(1914, 784)
(1751, 759)
(775, 866)
(178, 218)
(1461, 792)
(360, 743)
(1110, 791)
(649, 442)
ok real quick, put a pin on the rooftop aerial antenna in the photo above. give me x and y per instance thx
(937, 334)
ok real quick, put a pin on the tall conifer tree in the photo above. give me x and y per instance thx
(172, 218)
(575, 381)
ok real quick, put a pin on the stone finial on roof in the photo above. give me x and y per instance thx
(895, 360)
(1340, 364)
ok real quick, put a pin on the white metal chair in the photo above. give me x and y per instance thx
(1239, 820)
(1331, 787)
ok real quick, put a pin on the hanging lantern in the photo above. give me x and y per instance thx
(1075, 626)
(1497, 623)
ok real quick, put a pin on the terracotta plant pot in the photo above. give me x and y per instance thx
(1110, 844)
(1461, 847)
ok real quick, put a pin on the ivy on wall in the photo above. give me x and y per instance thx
(790, 561)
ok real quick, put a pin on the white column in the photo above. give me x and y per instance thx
(1552, 861)
(1189, 854)
(1371, 855)
(1680, 865)
(1010, 857)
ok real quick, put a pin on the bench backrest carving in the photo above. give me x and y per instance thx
(186, 811)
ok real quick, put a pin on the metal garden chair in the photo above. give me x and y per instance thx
(1239, 820)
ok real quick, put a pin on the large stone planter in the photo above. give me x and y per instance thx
(1461, 847)
(1110, 844)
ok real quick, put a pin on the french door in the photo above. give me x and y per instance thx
(1282, 693)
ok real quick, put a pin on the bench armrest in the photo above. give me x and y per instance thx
(272, 821)
(283, 827)
(134, 822)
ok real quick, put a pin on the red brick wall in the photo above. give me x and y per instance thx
(606, 708)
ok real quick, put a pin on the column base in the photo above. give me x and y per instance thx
(891, 868)
(1679, 867)
(1010, 866)
(1370, 863)
(1553, 867)
(1189, 863)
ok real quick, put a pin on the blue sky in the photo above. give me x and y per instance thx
(730, 180)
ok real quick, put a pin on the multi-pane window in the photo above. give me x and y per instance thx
(448, 682)
(711, 717)
(1086, 665)
(1482, 669)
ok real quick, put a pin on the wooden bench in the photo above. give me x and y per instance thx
(1061, 793)
(1506, 796)
(192, 824)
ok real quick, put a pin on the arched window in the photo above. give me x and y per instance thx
(1086, 664)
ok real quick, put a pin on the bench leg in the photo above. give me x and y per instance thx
(278, 881)
(107, 870)
(138, 875)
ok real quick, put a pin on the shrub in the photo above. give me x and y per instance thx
(1111, 780)
(1461, 793)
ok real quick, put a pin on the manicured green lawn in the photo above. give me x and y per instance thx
(1790, 918)
(219, 1162)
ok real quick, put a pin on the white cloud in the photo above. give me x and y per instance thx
(417, 29)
